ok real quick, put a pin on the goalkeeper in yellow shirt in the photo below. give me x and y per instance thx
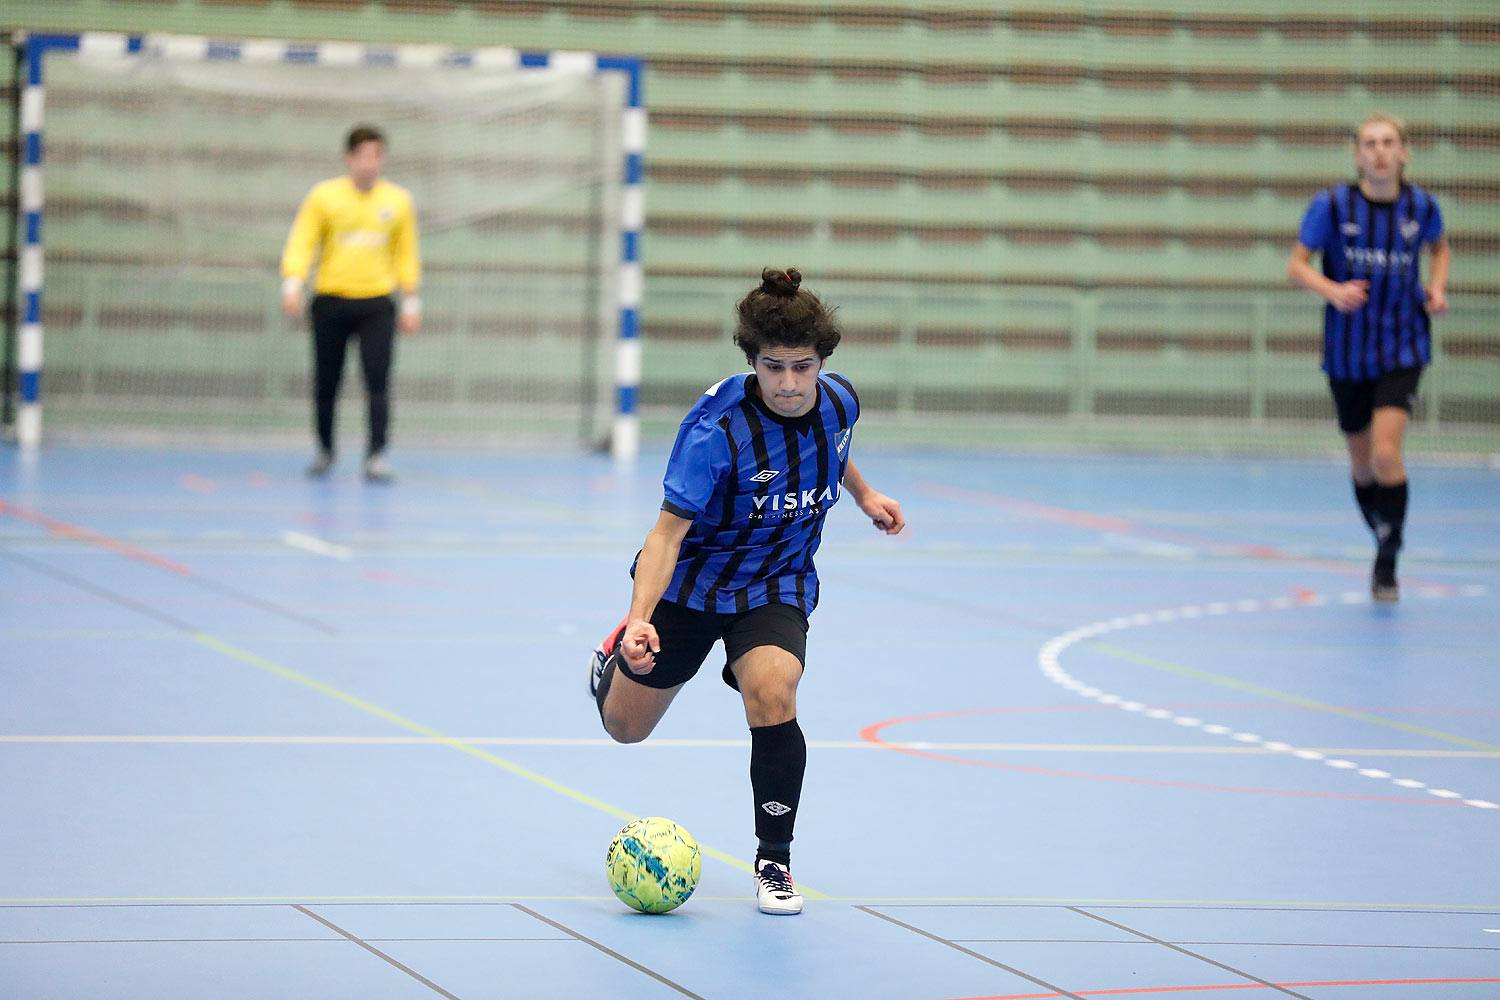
(363, 231)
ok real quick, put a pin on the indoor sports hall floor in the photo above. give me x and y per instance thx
(1093, 727)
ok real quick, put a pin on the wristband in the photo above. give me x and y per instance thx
(291, 286)
(411, 305)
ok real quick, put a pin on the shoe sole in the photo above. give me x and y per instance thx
(781, 912)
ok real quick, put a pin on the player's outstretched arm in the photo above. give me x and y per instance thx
(882, 511)
(653, 571)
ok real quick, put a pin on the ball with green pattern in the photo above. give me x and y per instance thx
(653, 865)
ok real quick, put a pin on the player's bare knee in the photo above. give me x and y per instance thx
(622, 728)
(1386, 463)
(769, 701)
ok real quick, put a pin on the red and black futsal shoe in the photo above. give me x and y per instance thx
(599, 658)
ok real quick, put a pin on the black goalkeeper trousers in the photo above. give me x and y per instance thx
(334, 321)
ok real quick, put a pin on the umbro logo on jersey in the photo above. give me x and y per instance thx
(1410, 228)
(775, 808)
(765, 477)
(1350, 229)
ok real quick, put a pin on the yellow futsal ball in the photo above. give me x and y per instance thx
(653, 865)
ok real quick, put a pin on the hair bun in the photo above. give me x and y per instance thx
(783, 283)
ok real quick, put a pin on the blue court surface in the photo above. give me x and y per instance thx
(1093, 727)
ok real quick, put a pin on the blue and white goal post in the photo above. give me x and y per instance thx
(626, 283)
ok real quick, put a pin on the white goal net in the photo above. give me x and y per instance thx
(172, 183)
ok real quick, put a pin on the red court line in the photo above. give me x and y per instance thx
(1235, 986)
(1040, 511)
(63, 529)
(197, 484)
(871, 733)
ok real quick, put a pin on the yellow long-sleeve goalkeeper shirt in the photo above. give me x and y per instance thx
(366, 241)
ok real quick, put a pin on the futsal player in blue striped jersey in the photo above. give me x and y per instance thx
(759, 462)
(1377, 331)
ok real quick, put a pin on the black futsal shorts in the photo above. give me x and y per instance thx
(688, 636)
(1356, 402)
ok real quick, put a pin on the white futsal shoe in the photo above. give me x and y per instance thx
(597, 661)
(377, 470)
(774, 890)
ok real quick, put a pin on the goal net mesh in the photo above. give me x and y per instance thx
(171, 187)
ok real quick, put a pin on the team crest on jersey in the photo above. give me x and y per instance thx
(766, 476)
(1350, 229)
(1410, 228)
(843, 441)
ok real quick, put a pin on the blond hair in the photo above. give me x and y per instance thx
(1381, 118)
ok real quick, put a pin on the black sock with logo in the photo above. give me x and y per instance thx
(778, 759)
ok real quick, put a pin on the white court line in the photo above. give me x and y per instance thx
(1050, 653)
(317, 546)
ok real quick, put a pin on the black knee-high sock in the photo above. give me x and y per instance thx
(1390, 508)
(778, 759)
(1365, 497)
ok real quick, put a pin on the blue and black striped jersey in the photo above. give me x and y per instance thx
(1378, 242)
(757, 487)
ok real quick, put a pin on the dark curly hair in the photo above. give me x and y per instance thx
(778, 313)
(362, 133)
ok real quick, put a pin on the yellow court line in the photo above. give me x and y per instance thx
(1239, 685)
(261, 663)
